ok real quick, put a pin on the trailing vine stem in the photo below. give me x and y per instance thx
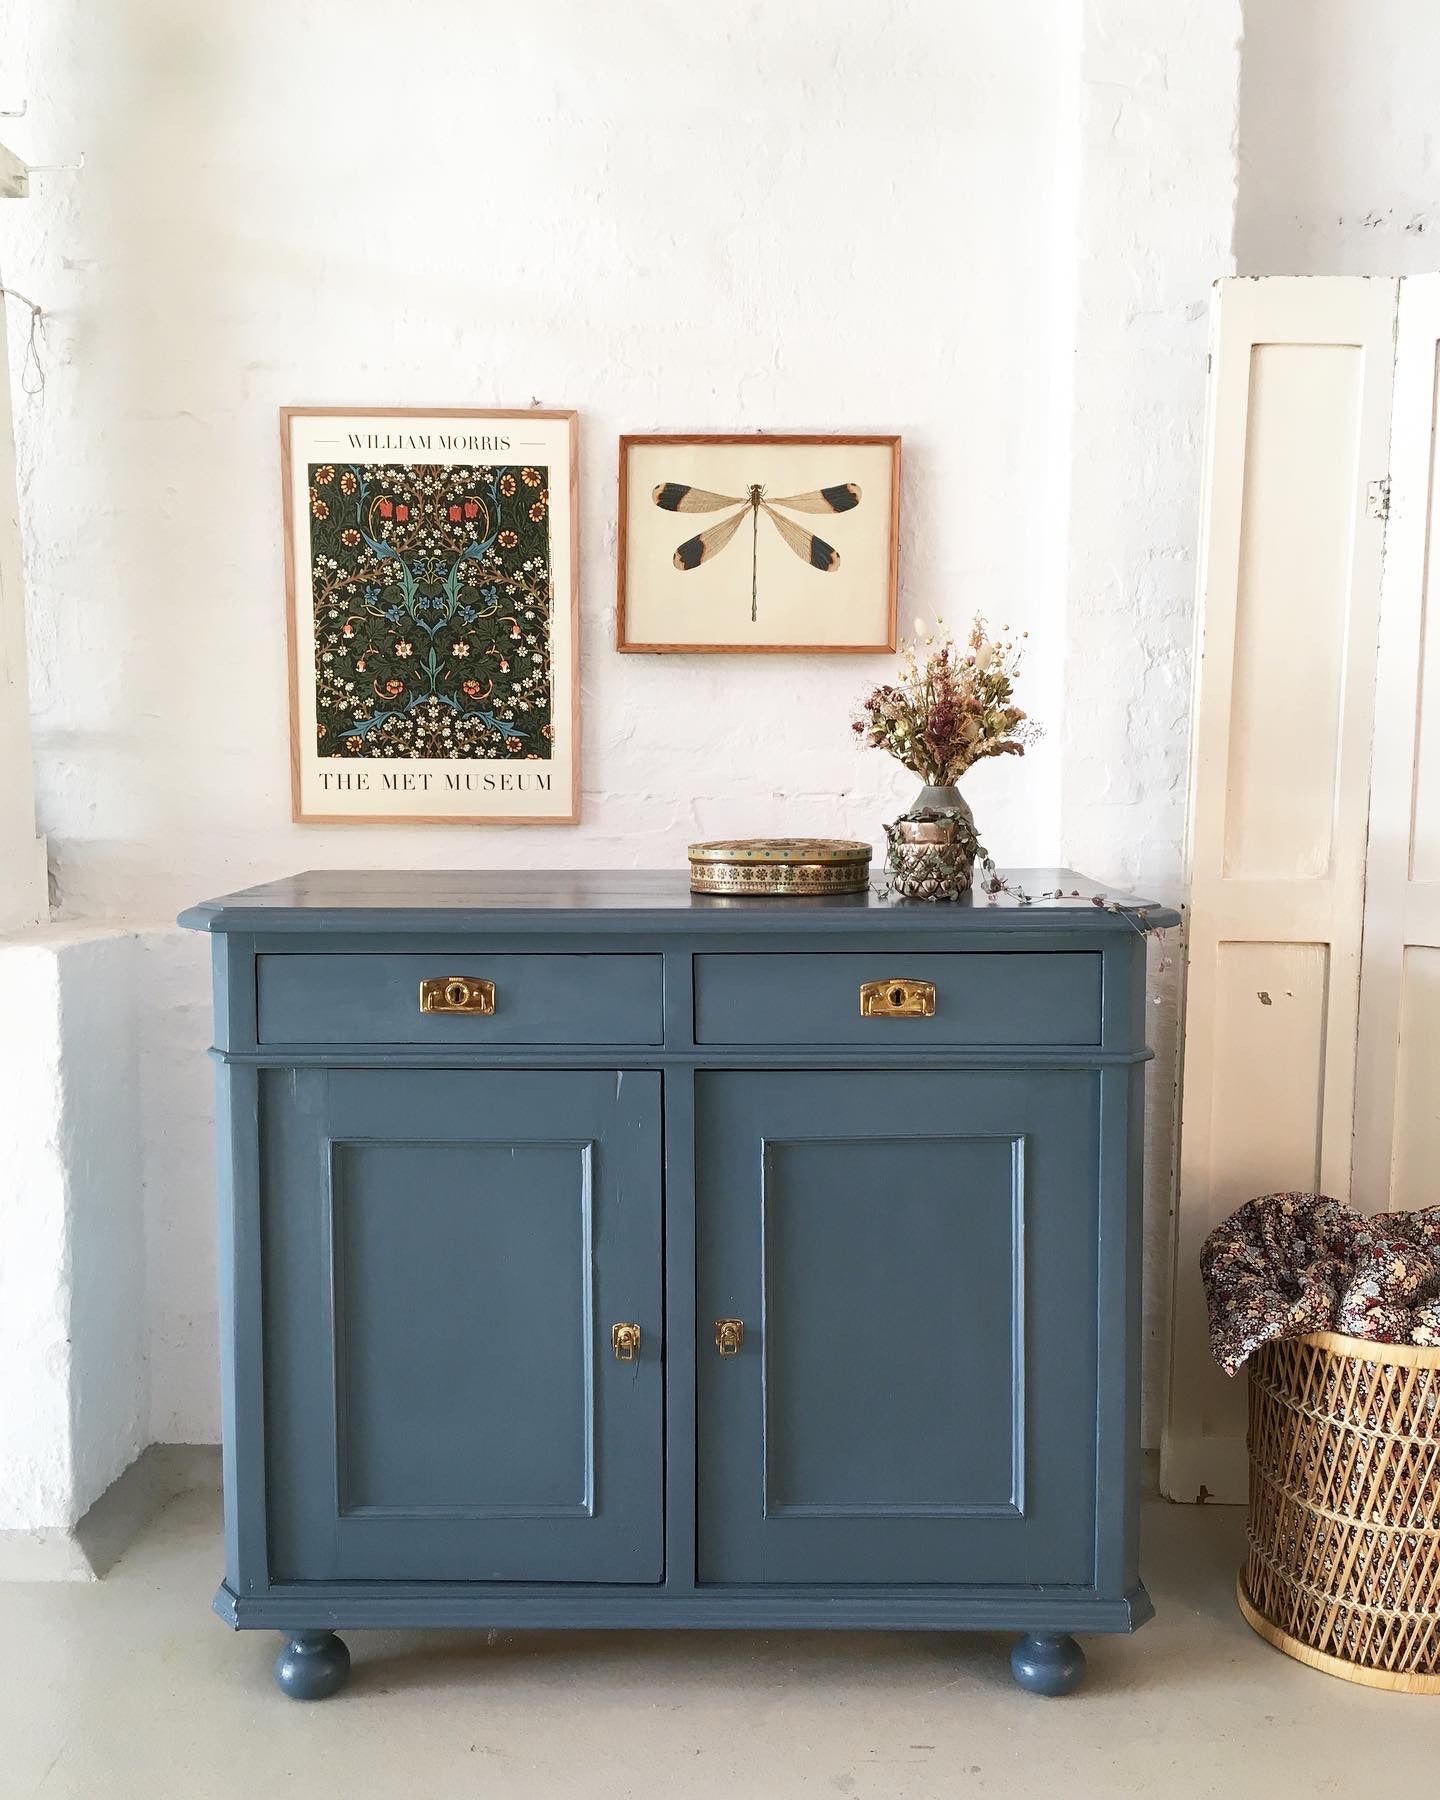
(992, 884)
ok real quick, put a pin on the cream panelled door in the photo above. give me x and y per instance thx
(1289, 604)
(1397, 1107)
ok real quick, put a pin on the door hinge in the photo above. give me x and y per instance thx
(1377, 499)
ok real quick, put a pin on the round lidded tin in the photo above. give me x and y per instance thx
(780, 866)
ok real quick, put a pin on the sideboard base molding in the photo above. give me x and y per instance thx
(392, 1606)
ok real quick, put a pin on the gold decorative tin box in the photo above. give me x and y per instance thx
(780, 866)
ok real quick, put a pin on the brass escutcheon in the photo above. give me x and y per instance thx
(457, 994)
(729, 1336)
(625, 1341)
(897, 998)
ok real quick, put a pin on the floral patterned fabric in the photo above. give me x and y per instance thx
(1286, 1264)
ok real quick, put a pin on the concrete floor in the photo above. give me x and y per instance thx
(129, 1688)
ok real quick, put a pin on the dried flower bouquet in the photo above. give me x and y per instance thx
(950, 708)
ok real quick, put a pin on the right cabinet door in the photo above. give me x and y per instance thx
(912, 1256)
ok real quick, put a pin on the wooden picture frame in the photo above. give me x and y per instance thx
(444, 614)
(678, 495)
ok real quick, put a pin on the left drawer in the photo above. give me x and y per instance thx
(537, 999)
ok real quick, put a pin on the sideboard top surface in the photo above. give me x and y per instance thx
(655, 900)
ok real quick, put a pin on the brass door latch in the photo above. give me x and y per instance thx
(457, 994)
(729, 1336)
(897, 998)
(625, 1341)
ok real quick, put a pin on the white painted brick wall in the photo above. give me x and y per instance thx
(1155, 205)
(665, 216)
(990, 228)
(1339, 147)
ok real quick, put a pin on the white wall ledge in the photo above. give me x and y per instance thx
(74, 1408)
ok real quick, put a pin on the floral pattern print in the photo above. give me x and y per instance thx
(1286, 1264)
(431, 588)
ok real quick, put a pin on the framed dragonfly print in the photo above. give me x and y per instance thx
(431, 562)
(758, 543)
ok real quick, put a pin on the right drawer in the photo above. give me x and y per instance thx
(979, 997)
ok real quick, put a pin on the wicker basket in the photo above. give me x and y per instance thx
(1344, 1529)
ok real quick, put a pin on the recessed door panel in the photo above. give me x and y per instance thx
(913, 1259)
(875, 1403)
(445, 1255)
(462, 1280)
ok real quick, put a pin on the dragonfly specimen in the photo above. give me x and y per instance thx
(674, 496)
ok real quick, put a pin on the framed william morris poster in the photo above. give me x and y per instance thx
(431, 566)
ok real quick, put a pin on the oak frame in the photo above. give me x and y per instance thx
(297, 813)
(628, 440)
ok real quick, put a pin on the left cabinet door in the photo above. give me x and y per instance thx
(444, 1256)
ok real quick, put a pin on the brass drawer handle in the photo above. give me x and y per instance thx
(625, 1342)
(729, 1336)
(456, 994)
(897, 999)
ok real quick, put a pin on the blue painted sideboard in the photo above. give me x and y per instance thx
(596, 1254)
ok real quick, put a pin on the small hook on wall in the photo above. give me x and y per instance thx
(57, 168)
